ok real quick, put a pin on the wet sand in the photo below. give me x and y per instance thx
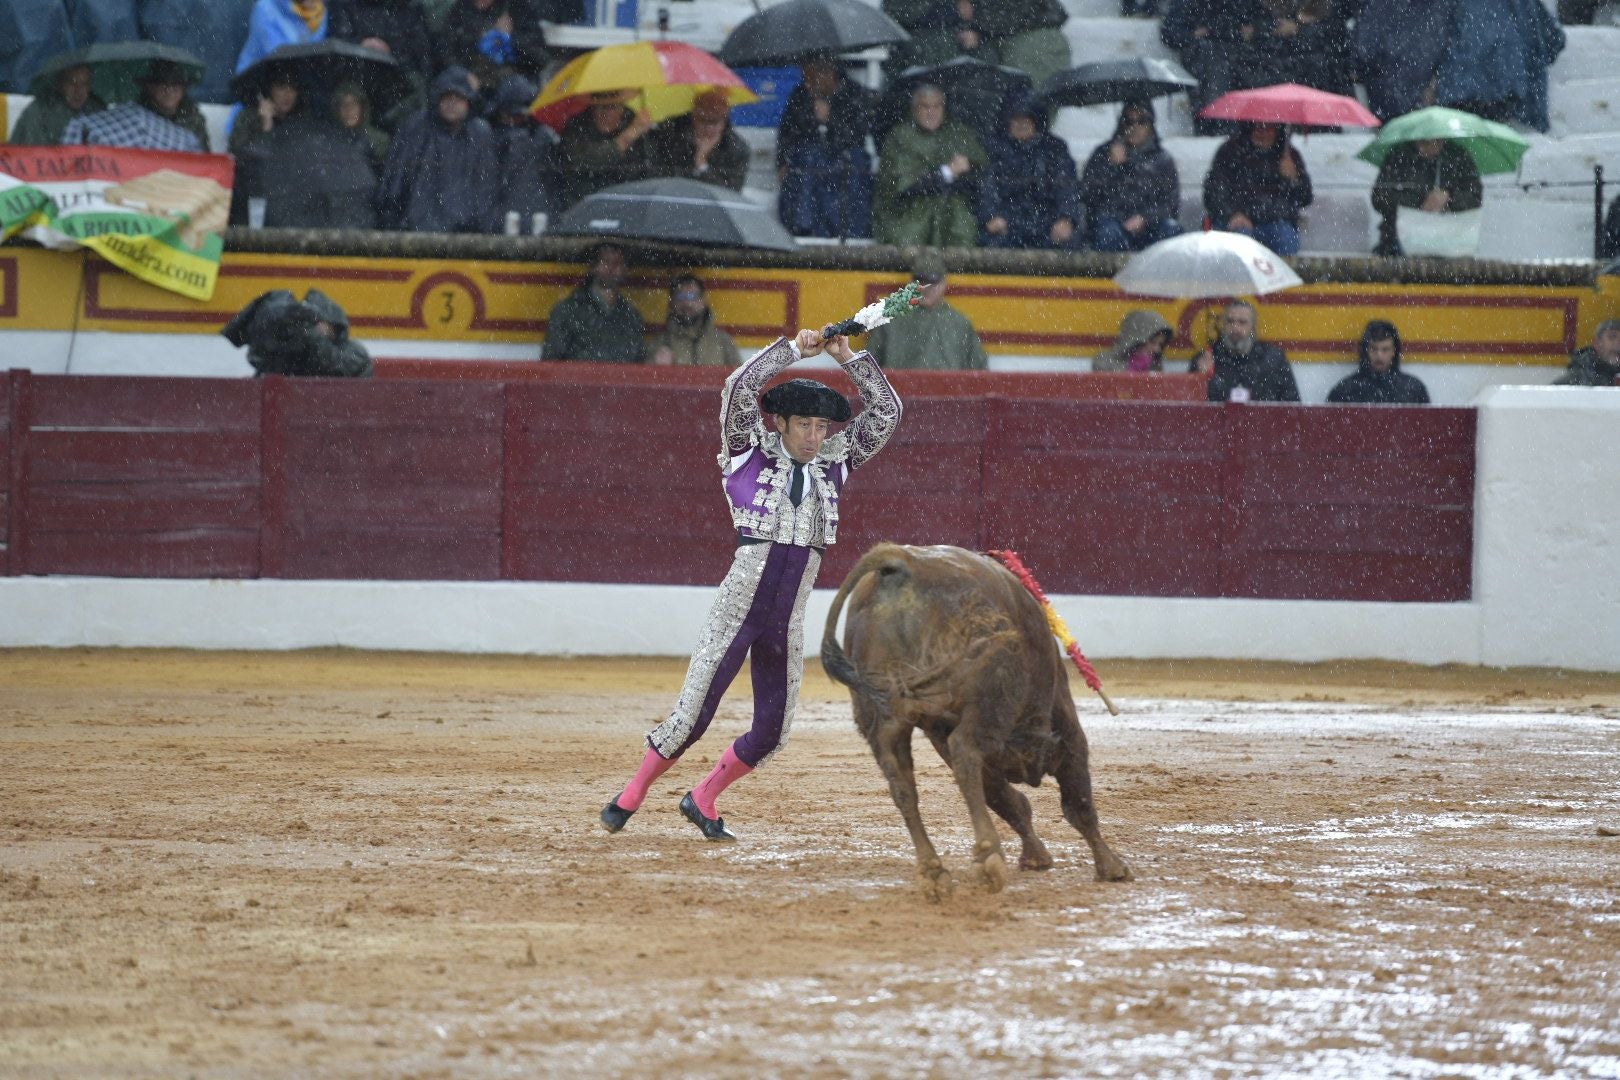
(351, 864)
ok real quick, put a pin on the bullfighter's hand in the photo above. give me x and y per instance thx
(809, 343)
(838, 348)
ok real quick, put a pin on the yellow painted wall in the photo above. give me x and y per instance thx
(427, 300)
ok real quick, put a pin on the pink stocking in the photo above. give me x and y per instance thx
(730, 768)
(652, 767)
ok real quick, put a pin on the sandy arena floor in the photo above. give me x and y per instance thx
(340, 864)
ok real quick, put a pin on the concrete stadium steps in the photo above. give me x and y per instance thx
(1585, 106)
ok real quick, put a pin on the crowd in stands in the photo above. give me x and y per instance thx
(462, 153)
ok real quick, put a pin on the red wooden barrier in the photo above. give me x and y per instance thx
(611, 476)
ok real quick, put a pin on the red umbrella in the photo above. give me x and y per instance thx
(1290, 103)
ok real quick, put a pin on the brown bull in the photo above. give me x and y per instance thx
(948, 641)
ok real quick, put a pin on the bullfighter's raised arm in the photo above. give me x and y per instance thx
(870, 431)
(740, 423)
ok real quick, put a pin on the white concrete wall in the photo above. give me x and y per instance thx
(1546, 591)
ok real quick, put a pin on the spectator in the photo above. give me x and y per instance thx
(1497, 58)
(396, 27)
(495, 38)
(214, 31)
(690, 335)
(288, 336)
(935, 336)
(1308, 42)
(822, 165)
(602, 146)
(596, 321)
(1140, 346)
(1379, 380)
(1216, 42)
(1257, 185)
(700, 145)
(1130, 187)
(48, 115)
(163, 118)
(927, 178)
(1599, 363)
(1243, 368)
(1029, 196)
(275, 23)
(526, 173)
(352, 111)
(1027, 35)
(273, 108)
(440, 174)
(1436, 175)
(1397, 48)
(940, 30)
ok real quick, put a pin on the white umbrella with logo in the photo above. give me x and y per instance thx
(1206, 264)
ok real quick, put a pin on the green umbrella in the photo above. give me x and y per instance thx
(116, 68)
(1495, 148)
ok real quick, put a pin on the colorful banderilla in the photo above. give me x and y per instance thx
(1060, 629)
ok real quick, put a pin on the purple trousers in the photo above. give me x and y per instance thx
(758, 613)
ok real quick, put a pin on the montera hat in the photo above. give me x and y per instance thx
(806, 397)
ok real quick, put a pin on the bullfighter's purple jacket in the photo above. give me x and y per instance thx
(757, 469)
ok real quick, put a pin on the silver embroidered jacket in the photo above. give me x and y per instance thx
(757, 470)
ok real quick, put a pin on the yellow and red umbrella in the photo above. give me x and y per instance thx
(664, 77)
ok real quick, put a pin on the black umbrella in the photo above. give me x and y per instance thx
(117, 68)
(789, 33)
(1116, 80)
(677, 209)
(976, 93)
(318, 67)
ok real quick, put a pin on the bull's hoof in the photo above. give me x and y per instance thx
(935, 882)
(1113, 868)
(1034, 857)
(993, 872)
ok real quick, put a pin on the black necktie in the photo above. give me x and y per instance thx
(796, 491)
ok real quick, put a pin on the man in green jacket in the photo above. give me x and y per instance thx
(935, 336)
(690, 335)
(596, 322)
(1436, 175)
(927, 178)
(48, 115)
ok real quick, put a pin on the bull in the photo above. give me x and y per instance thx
(948, 641)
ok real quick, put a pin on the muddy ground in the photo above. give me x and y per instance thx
(348, 864)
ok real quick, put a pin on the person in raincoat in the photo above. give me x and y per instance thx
(690, 335)
(1027, 35)
(280, 102)
(1257, 185)
(700, 145)
(311, 171)
(935, 336)
(1396, 47)
(1436, 175)
(288, 336)
(1599, 363)
(1029, 194)
(927, 182)
(275, 23)
(1496, 60)
(351, 108)
(440, 175)
(1130, 187)
(1378, 378)
(495, 38)
(163, 118)
(823, 168)
(214, 32)
(67, 98)
(525, 166)
(1143, 334)
(602, 146)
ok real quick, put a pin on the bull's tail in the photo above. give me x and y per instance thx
(884, 559)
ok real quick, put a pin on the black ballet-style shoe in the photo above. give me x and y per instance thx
(614, 816)
(712, 828)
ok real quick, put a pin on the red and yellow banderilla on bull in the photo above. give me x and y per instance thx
(1060, 629)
